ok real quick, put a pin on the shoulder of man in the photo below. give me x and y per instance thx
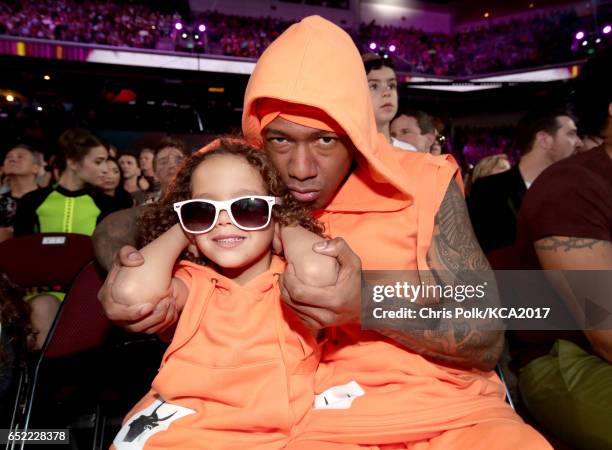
(35, 197)
(569, 197)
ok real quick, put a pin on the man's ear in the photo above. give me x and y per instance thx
(544, 140)
(277, 243)
(431, 138)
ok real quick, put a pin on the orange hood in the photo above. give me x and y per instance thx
(315, 63)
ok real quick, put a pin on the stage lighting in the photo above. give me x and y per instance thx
(607, 29)
(10, 98)
(178, 26)
(580, 35)
(392, 48)
(202, 28)
(372, 45)
(196, 36)
(184, 35)
(585, 43)
(39, 108)
(46, 77)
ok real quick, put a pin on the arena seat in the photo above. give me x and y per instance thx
(71, 352)
(46, 260)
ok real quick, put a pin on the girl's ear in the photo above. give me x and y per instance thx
(277, 243)
(72, 164)
(192, 248)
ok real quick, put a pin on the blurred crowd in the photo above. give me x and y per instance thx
(507, 45)
(538, 194)
(107, 23)
(518, 43)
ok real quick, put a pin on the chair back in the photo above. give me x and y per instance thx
(50, 260)
(80, 323)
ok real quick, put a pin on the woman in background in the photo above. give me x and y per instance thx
(112, 185)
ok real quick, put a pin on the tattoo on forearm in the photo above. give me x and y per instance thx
(454, 250)
(566, 244)
(453, 239)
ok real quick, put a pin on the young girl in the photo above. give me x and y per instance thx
(239, 372)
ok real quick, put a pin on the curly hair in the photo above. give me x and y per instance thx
(160, 217)
(15, 320)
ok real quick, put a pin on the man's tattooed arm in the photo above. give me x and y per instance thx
(558, 254)
(567, 244)
(454, 258)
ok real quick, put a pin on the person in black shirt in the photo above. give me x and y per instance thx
(21, 165)
(74, 205)
(494, 201)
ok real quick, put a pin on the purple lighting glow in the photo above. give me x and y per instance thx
(178, 26)
(607, 29)
(202, 28)
(372, 46)
(392, 48)
(580, 35)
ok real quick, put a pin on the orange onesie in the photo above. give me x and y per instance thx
(239, 373)
(371, 391)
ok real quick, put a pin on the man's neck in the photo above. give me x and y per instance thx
(131, 184)
(532, 165)
(22, 184)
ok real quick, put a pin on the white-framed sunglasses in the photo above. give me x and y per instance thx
(249, 213)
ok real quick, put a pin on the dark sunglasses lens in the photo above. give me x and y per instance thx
(251, 212)
(197, 216)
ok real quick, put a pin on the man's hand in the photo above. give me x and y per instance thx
(142, 318)
(322, 307)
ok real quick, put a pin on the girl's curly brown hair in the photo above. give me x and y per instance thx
(15, 320)
(160, 217)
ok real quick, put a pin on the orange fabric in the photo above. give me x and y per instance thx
(385, 210)
(240, 359)
(270, 109)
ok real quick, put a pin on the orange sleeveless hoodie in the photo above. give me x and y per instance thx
(385, 211)
(239, 372)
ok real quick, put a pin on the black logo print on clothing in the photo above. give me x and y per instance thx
(144, 423)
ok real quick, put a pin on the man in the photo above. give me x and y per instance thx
(131, 175)
(383, 90)
(565, 223)
(145, 160)
(169, 154)
(543, 139)
(416, 128)
(21, 167)
(120, 227)
(396, 210)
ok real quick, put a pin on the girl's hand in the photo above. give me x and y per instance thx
(322, 307)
